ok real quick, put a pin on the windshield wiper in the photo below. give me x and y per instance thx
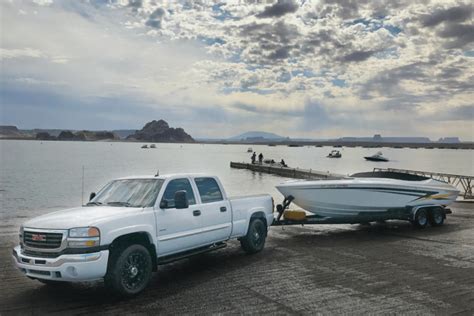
(94, 203)
(121, 203)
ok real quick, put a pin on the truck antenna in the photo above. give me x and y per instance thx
(82, 194)
(157, 173)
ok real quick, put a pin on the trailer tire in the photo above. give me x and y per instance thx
(436, 217)
(421, 218)
(254, 241)
(130, 269)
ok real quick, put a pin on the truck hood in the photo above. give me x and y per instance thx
(78, 217)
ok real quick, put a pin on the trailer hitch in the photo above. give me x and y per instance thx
(283, 206)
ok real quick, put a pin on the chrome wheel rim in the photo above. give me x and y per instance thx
(438, 217)
(422, 219)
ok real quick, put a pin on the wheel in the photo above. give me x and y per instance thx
(129, 270)
(436, 217)
(421, 218)
(254, 241)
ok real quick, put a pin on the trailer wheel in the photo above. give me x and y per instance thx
(421, 218)
(254, 241)
(436, 217)
(130, 270)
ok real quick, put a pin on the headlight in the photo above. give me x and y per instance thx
(83, 237)
(81, 232)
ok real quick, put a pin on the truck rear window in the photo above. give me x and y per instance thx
(208, 190)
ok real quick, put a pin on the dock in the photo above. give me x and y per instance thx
(295, 173)
(463, 183)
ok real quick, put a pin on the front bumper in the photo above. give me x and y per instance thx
(67, 267)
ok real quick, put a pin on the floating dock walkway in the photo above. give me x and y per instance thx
(286, 172)
(463, 183)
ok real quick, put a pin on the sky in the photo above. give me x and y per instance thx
(312, 69)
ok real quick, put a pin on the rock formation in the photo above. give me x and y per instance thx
(159, 131)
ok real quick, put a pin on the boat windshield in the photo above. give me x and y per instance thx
(129, 193)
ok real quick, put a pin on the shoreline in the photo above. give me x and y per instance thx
(288, 143)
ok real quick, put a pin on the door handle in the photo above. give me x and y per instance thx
(223, 209)
(196, 212)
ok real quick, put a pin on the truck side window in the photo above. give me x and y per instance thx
(178, 185)
(208, 190)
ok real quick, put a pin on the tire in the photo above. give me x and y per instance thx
(129, 271)
(421, 218)
(254, 241)
(436, 217)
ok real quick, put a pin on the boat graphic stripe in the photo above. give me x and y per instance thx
(371, 189)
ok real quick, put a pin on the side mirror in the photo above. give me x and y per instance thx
(91, 196)
(180, 199)
(163, 204)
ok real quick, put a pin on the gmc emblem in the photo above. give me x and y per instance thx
(38, 237)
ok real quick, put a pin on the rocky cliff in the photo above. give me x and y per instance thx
(10, 131)
(159, 131)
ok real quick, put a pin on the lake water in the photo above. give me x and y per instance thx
(39, 177)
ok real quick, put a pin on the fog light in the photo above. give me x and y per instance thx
(72, 271)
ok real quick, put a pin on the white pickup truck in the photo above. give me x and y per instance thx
(135, 223)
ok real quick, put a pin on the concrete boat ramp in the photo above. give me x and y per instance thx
(316, 269)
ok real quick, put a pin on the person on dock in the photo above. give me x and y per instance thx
(282, 162)
(254, 157)
(260, 158)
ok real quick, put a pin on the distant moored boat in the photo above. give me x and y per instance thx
(377, 157)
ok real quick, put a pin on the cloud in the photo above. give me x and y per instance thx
(135, 3)
(20, 53)
(358, 56)
(460, 35)
(325, 67)
(453, 14)
(278, 9)
(155, 19)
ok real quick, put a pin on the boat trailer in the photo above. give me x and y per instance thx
(419, 216)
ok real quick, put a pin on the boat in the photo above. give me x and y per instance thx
(370, 193)
(334, 154)
(152, 146)
(377, 157)
(250, 150)
(145, 146)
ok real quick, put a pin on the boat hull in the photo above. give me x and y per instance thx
(376, 159)
(351, 198)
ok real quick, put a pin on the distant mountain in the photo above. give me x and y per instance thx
(255, 136)
(378, 138)
(159, 131)
(10, 131)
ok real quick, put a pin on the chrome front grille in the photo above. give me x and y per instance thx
(42, 239)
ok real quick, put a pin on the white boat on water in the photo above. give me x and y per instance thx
(377, 157)
(365, 193)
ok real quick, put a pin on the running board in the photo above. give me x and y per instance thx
(190, 253)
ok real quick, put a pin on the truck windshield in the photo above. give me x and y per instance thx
(129, 193)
